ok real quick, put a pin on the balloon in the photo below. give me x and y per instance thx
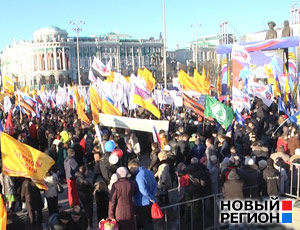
(109, 146)
(118, 152)
(113, 159)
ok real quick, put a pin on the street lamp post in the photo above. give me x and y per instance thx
(165, 45)
(196, 25)
(77, 30)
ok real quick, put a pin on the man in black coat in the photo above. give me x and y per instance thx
(85, 190)
(272, 178)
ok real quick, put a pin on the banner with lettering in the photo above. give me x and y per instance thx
(20, 160)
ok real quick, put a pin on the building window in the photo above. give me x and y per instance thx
(42, 61)
(50, 61)
(67, 58)
(59, 60)
(35, 65)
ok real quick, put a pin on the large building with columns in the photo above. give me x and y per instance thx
(51, 57)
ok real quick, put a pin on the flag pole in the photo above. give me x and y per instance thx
(280, 125)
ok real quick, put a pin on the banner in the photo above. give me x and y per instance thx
(240, 100)
(240, 54)
(261, 91)
(20, 160)
(132, 123)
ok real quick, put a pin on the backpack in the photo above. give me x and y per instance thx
(184, 180)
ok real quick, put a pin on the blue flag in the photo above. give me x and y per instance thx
(281, 107)
(295, 118)
(239, 118)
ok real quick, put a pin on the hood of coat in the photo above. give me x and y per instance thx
(233, 175)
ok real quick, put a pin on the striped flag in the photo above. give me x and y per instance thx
(191, 104)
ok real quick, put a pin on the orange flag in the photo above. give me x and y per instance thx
(80, 107)
(96, 104)
(189, 83)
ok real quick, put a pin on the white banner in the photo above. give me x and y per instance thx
(132, 123)
(240, 100)
(240, 54)
(262, 91)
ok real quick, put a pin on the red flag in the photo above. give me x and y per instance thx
(9, 126)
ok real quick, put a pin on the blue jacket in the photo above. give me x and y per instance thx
(146, 187)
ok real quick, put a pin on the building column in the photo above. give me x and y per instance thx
(139, 55)
(133, 59)
(55, 59)
(64, 58)
(45, 59)
(126, 58)
(119, 58)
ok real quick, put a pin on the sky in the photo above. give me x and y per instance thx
(140, 18)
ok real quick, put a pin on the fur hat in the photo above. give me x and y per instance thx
(122, 172)
(262, 164)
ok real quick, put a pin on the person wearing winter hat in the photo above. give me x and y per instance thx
(224, 173)
(120, 203)
(122, 172)
(250, 175)
(272, 178)
(262, 164)
(233, 187)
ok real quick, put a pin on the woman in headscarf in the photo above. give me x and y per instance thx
(120, 202)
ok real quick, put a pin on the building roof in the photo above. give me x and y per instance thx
(51, 30)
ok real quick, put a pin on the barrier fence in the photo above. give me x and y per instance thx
(200, 213)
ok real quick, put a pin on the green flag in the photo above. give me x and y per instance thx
(215, 109)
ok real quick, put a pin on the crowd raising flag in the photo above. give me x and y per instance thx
(215, 109)
(20, 160)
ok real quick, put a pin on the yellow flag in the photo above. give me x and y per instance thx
(3, 214)
(96, 104)
(197, 77)
(110, 78)
(42, 89)
(25, 89)
(109, 108)
(20, 160)
(286, 91)
(8, 85)
(148, 77)
(147, 104)
(276, 89)
(188, 83)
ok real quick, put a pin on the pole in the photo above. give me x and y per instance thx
(196, 49)
(78, 61)
(165, 46)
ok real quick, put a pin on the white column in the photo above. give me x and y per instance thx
(133, 58)
(139, 53)
(55, 57)
(45, 59)
(64, 58)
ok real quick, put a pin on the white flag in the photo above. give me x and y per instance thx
(240, 100)
(7, 104)
(261, 91)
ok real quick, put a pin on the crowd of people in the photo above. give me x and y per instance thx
(195, 155)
